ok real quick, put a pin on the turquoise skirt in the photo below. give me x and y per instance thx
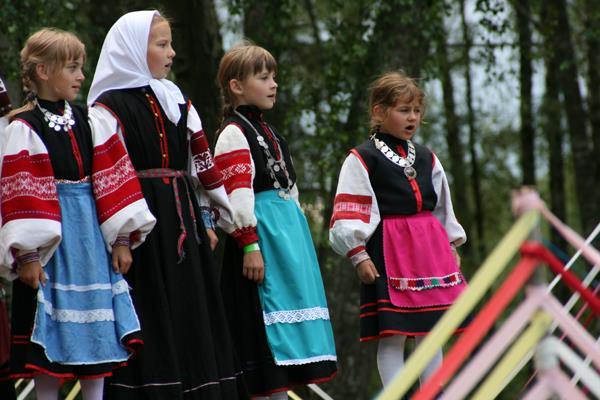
(84, 310)
(292, 296)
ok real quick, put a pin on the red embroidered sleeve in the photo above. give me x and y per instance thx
(236, 167)
(244, 236)
(113, 179)
(27, 187)
(350, 206)
(208, 172)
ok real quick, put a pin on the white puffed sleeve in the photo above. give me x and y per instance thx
(443, 210)
(355, 211)
(233, 157)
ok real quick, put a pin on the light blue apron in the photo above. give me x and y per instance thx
(85, 308)
(292, 295)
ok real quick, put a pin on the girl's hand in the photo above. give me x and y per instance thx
(32, 274)
(214, 239)
(121, 259)
(254, 266)
(367, 272)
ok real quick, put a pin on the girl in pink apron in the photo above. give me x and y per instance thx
(393, 218)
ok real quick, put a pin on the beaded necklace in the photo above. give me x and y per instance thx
(273, 165)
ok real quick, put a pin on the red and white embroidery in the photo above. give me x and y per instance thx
(350, 206)
(208, 173)
(110, 180)
(27, 187)
(203, 161)
(25, 184)
(114, 181)
(237, 169)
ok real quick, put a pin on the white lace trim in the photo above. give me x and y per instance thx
(301, 361)
(117, 288)
(295, 316)
(77, 316)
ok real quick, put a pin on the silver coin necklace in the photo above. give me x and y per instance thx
(404, 162)
(58, 122)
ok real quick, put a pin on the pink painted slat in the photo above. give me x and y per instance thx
(494, 348)
(579, 336)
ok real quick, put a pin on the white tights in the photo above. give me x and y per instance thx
(390, 358)
(275, 396)
(46, 388)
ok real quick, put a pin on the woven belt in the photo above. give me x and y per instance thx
(171, 173)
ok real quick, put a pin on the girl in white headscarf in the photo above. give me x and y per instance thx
(187, 347)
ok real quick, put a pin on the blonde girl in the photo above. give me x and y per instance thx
(187, 346)
(393, 219)
(67, 228)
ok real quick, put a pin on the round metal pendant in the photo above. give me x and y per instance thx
(51, 124)
(277, 185)
(57, 128)
(410, 172)
(281, 194)
(276, 168)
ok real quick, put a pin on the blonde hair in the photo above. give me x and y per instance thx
(52, 47)
(239, 62)
(389, 89)
(160, 18)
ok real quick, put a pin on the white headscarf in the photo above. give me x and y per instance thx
(123, 63)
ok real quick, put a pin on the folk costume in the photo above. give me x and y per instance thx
(7, 389)
(188, 352)
(281, 327)
(393, 205)
(67, 196)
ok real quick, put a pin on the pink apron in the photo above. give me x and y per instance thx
(421, 269)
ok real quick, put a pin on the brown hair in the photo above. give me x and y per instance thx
(50, 46)
(389, 89)
(239, 62)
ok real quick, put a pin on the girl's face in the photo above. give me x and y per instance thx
(257, 90)
(401, 121)
(160, 53)
(62, 84)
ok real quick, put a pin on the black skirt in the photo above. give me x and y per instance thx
(244, 312)
(188, 353)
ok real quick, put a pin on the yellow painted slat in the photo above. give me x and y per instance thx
(486, 275)
(497, 380)
(74, 391)
(293, 395)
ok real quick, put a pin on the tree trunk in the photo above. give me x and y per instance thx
(552, 127)
(581, 143)
(199, 48)
(592, 30)
(559, 34)
(478, 213)
(455, 148)
(526, 109)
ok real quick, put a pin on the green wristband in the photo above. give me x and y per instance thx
(249, 248)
